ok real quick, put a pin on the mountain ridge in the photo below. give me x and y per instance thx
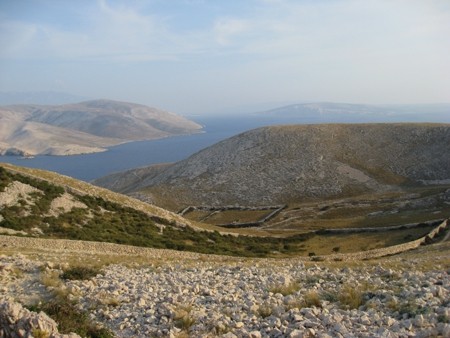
(85, 127)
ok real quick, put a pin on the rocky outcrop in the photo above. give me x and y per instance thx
(17, 322)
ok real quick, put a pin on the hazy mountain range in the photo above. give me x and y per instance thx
(84, 127)
(330, 112)
(39, 97)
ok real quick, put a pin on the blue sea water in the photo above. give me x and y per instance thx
(141, 153)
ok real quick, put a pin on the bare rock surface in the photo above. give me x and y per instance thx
(15, 192)
(64, 203)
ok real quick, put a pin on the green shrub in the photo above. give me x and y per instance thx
(79, 273)
(70, 319)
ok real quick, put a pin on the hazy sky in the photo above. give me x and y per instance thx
(199, 56)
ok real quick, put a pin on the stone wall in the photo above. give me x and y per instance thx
(390, 250)
(276, 209)
(61, 245)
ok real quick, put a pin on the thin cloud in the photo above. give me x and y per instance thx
(372, 50)
(113, 33)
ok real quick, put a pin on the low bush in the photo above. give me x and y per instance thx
(312, 298)
(351, 297)
(80, 273)
(70, 319)
(285, 290)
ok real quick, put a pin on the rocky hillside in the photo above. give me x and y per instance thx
(42, 204)
(84, 127)
(286, 164)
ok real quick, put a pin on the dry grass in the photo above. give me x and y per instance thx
(265, 310)
(51, 279)
(312, 298)
(183, 317)
(285, 289)
(351, 296)
(106, 299)
(38, 333)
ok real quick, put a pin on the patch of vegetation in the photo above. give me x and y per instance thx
(294, 304)
(38, 333)
(106, 299)
(265, 310)
(312, 298)
(412, 309)
(13, 216)
(285, 290)
(80, 273)
(108, 221)
(351, 297)
(329, 296)
(443, 319)
(311, 280)
(5, 179)
(65, 312)
(183, 317)
(71, 319)
(51, 279)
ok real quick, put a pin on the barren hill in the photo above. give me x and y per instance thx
(286, 164)
(84, 127)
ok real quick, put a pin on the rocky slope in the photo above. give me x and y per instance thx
(175, 294)
(84, 127)
(285, 164)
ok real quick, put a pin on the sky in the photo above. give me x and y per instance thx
(201, 57)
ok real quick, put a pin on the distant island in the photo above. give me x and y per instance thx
(86, 127)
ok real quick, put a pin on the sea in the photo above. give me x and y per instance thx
(88, 167)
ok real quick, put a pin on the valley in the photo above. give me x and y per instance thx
(77, 210)
(208, 251)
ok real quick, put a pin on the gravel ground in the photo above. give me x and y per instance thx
(209, 296)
